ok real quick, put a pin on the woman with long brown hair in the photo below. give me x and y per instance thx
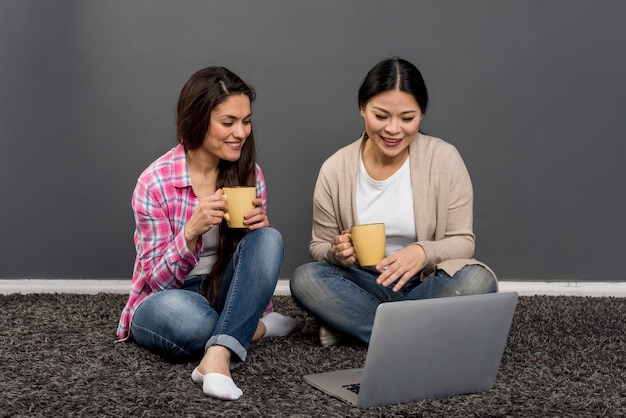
(200, 288)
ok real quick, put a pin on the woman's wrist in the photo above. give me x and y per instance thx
(190, 237)
(422, 254)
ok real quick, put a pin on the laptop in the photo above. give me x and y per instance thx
(423, 349)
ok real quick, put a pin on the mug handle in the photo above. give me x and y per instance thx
(349, 234)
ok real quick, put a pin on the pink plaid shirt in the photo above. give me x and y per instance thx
(163, 202)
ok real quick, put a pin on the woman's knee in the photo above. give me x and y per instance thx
(302, 279)
(262, 249)
(312, 285)
(478, 278)
(266, 238)
(174, 322)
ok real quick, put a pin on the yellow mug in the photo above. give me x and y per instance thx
(368, 241)
(238, 202)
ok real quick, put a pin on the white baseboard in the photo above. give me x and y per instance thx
(92, 286)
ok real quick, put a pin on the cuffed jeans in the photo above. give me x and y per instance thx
(180, 323)
(345, 298)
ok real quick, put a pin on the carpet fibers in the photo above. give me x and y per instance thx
(564, 358)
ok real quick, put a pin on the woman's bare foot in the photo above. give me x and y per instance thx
(260, 331)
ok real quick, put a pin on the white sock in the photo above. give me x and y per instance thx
(277, 325)
(217, 385)
(197, 377)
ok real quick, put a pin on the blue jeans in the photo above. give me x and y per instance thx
(345, 298)
(180, 323)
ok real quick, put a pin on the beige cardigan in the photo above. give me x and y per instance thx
(442, 196)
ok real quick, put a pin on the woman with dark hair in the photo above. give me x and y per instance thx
(195, 292)
(417, 185)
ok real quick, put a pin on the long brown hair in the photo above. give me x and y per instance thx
(206, 89)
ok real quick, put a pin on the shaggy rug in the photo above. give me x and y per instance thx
(565, 357)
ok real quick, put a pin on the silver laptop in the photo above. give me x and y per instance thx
(426, 349)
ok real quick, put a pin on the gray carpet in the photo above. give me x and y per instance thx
(565, 357)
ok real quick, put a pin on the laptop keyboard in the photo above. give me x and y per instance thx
(354, 387)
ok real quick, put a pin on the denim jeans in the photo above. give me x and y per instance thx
(180, 323)
(345, 298)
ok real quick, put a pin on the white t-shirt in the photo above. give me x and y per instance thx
(389, 201)
(208, 254)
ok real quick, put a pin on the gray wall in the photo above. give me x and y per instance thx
(532, 92)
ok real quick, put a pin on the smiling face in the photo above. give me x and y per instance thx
(392, 121)
(229, 126)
